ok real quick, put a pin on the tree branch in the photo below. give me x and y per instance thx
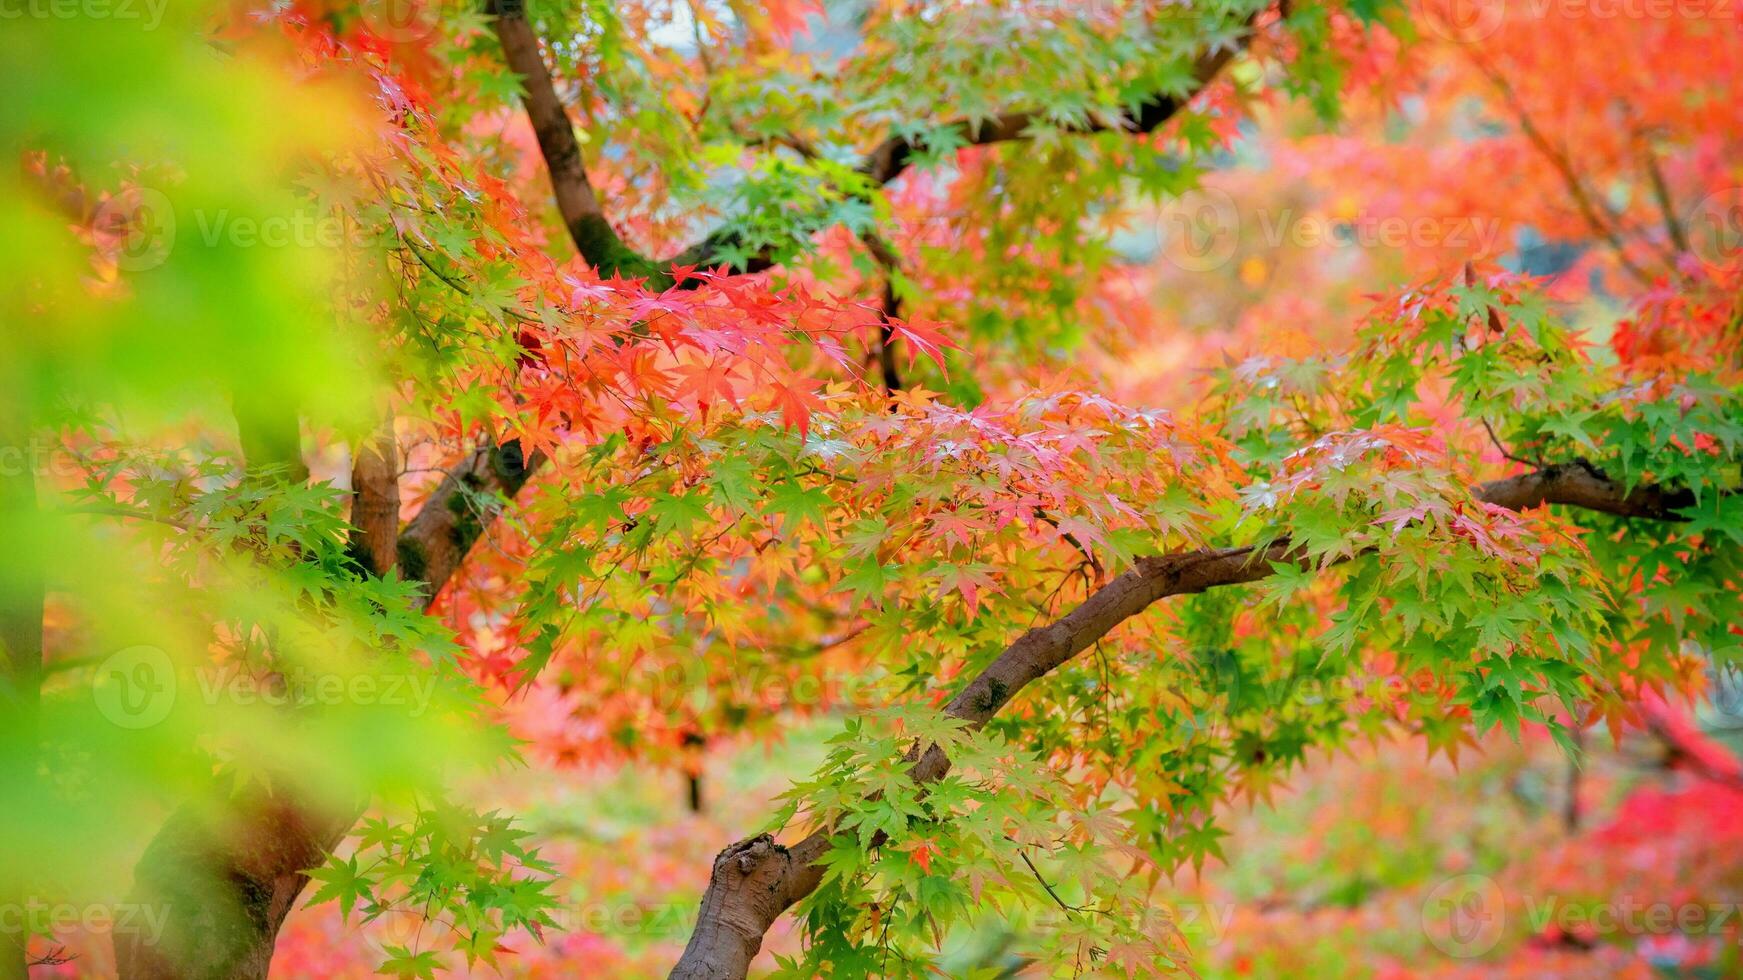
(576, 201)
(1661, 194)
(896, 154)
(1599, 219)
(600, 244)
(375, 501)
(462, 506)
(1580, 484)
(889, 307)
(755, 880)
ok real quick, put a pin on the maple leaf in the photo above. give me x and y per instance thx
(924, 339)
(707, 382)
(796, 400)
(970, 580)
(922, 852)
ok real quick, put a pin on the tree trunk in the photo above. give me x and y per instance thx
(227, 871)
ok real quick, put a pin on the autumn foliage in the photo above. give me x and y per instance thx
(903, 489)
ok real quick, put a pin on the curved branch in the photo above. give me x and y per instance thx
(576, 201)
(600, 244)
(436, 540)
(756, 880)
(896, 154)
(1580, 484)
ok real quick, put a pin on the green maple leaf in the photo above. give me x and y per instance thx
(341, 881)
(797, 503)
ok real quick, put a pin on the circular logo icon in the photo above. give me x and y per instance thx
(1715, 228)
(1464, 916)
(139, 225)
(135, 687)
(1199, 230)
(401, 21)
(1461, 21)
(393, 931)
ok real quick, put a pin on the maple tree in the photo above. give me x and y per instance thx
(401, 393)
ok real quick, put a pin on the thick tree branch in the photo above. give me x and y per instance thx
(894, 155)
(1580, 484)
(459, 510)
(600, 244)
(375, 501)
(889, 307)
(577, 203)
(755, 880)
(227, 870)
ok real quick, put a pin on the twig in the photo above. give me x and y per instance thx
(1661, 194)
(1502, 448)
(1564, 168)
(1069, 909)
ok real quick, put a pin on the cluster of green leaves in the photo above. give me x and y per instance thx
(445, 868)
(260, 625)
(1503, 357)
(1495, 359)
(782, 201)
(911, 868)
(1547, 396)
